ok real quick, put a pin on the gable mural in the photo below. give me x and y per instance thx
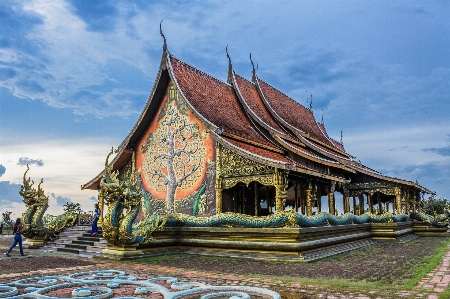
(175, 161)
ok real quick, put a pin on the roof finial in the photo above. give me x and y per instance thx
(322, 116)
(162, 34)
(230, 67)
(341, 136)
(253, 69)
(310, 104)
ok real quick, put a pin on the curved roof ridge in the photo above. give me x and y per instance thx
(174, 78)
(259, 79)
(386, 177)
(244, 102)
(309, 154)
(200, 71)
(325, 133)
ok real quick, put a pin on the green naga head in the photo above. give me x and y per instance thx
(27, 191)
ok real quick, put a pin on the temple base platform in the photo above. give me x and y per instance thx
(122, 252)
(282, 244)
(422, 228)
(33, 243)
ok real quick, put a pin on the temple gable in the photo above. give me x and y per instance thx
(174, 160)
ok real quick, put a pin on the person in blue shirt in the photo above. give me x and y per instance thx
(17, 230)
(97, 212)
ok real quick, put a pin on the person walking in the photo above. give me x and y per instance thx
(97, 213)
(17, 230)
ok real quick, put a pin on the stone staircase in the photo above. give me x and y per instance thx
(77, 240)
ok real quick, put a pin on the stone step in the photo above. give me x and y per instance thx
(76, 246)
(69, 250)
(83, 242)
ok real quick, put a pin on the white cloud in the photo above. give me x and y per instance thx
(67, 165)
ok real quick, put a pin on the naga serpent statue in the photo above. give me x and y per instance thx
(125, 197)
(33, 217)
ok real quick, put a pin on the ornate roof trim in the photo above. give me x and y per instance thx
(368, 171)
(249, 110)
(207, 123)
(300, 133)
(275, 149)
(309, 156)
(252, 156)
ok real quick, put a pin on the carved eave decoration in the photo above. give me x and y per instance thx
(311, 157)
(251, 113)
(303, 136)
(370, 172)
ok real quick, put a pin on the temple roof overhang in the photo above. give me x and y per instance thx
(251, 118)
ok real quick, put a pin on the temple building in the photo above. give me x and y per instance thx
(202, 146)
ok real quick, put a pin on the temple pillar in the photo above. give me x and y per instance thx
(279, 181)
(398, 200)
(361, 204)
(407, 208)
(418, 203)
(331, 205)
(354, 205)
(308, 200)
(387, 206)
(346, 204)
(256, 199)
(380, 207)
(101, 205)
(370, 203)
(218, 179)
(219, 195)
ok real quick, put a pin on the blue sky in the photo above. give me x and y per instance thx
(74, 76)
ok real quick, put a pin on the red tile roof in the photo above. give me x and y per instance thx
(216, 101)
(292, 112)
(335, 142)
(253, 99)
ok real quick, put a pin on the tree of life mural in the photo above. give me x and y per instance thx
(174, 153)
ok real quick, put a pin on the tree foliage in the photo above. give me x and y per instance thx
(435, 206)
(6, 219)
(72, 208)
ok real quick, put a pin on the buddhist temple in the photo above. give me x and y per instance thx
(202, 147)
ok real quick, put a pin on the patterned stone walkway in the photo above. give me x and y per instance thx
(429, 287)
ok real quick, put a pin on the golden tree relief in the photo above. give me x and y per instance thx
(174, 152)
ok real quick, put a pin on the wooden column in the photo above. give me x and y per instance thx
(354, 205)
(346, 204)
(218, 179)
(398, 200)
(308, 200)
(361, 204)
(331, 203)
(101, 205)
(219, 195)
(369, 200)
(407, 208)
(280, 184)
